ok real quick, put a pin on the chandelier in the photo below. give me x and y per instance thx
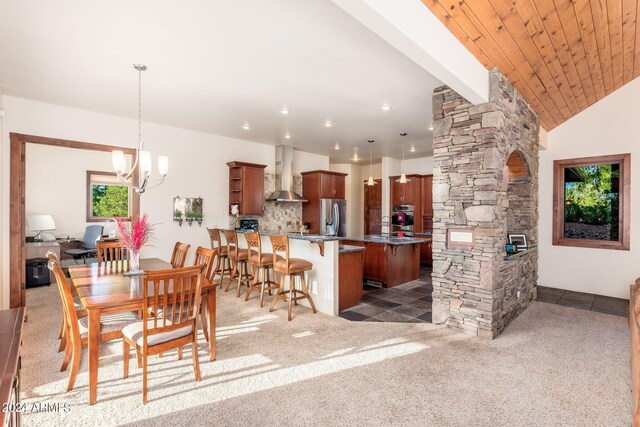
(142, 159)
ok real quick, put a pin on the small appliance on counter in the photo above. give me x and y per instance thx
(248, 225)
(402, 220)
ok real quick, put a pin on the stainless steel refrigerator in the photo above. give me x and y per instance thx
(333, 217)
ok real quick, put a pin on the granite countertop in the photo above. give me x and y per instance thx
(343, 249)
(426, 233)
(392, 240)
(307, 237)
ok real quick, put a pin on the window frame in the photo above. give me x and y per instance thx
(623, 242)
(89, 195)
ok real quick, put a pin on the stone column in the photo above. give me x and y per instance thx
(471, 183)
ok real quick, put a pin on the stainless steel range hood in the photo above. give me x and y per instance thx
(284, 176)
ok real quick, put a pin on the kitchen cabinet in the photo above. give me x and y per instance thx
(316, 185)
(426, 253)
(427, 195)
(349, 279)
(246, 187)
(373, 208)
(408, 193)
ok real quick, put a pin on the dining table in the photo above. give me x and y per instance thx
(103, 288)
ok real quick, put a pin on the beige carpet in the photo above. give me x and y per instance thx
(553, 366)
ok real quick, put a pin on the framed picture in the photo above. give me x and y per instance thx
(520, 240)
(511, 249)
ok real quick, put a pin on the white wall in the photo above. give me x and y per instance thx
(421, 165)
(197, 166)
(2, 245)
(607, 127)
(353, 185)
(55, 171)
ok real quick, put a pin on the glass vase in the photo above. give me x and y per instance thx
(134, 262)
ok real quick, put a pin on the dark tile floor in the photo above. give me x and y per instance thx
(407, 303)
(411, 302)
(599, 303)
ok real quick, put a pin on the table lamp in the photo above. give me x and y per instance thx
(40, 223)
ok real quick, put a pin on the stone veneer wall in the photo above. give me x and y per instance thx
(279, 217)
(475, 288)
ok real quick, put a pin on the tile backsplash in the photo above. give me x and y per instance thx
(279, 217)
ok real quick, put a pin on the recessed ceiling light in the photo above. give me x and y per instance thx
(246, 126)
(328, 124)
(431, 126)
(285, 111)
(412, 149)
(385, 107)
(287, 135)
(336, 147)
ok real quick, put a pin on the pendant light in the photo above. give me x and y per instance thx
(371, 182)
(142, 158)
(403, 178)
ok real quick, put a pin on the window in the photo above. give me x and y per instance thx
(106, 197)
(591, 202)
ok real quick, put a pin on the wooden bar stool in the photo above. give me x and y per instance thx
(240, 260)
(259, 262)
(223, 263)
(292, 267)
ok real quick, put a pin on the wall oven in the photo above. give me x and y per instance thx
(402, 219)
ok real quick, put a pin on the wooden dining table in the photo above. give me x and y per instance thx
(103, 288)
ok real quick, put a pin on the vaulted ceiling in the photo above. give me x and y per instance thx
(561, 55)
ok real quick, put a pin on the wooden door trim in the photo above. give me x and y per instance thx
(17, 171)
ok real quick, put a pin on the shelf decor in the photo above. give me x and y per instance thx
(187, 209)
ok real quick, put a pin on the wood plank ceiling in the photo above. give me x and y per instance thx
(561, 55)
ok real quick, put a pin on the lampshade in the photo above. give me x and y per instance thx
(145, 163)
(41, 222)
(371, 182)
(118, 160)
(403, 179)
(163, 165)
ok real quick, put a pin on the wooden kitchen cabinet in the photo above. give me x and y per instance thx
(350, 279)
(406, 194)
(331, 184)
(427, 195)
(246, 187)
(316, 185)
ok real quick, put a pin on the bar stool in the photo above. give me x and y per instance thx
(292, 267)
(223, 263)
(240, 260)
(259, 262)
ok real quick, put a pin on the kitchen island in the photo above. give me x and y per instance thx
(389, 260)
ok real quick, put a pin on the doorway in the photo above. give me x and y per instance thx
(373, 208)
(17, 215)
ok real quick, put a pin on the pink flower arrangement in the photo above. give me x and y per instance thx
(136, 235)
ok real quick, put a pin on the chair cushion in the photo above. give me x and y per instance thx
(243, 254)
(134, 333)
(265, 259)
(296, 265)
(109, 323)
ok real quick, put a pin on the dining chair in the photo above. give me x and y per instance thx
(179, 255)
(111, 251)
(240, 260)
(177, 293)
(223, 263)
(261, 263)
(292, 268)
(205, 256)
(92, 234)
(77, 323)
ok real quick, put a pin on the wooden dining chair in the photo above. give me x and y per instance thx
(222, 263)
(179, 255)
(260, 262)
(240, 260)
(205, 256)
(111, 251)
(77, 323)
(292, 268)
(177, 293)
